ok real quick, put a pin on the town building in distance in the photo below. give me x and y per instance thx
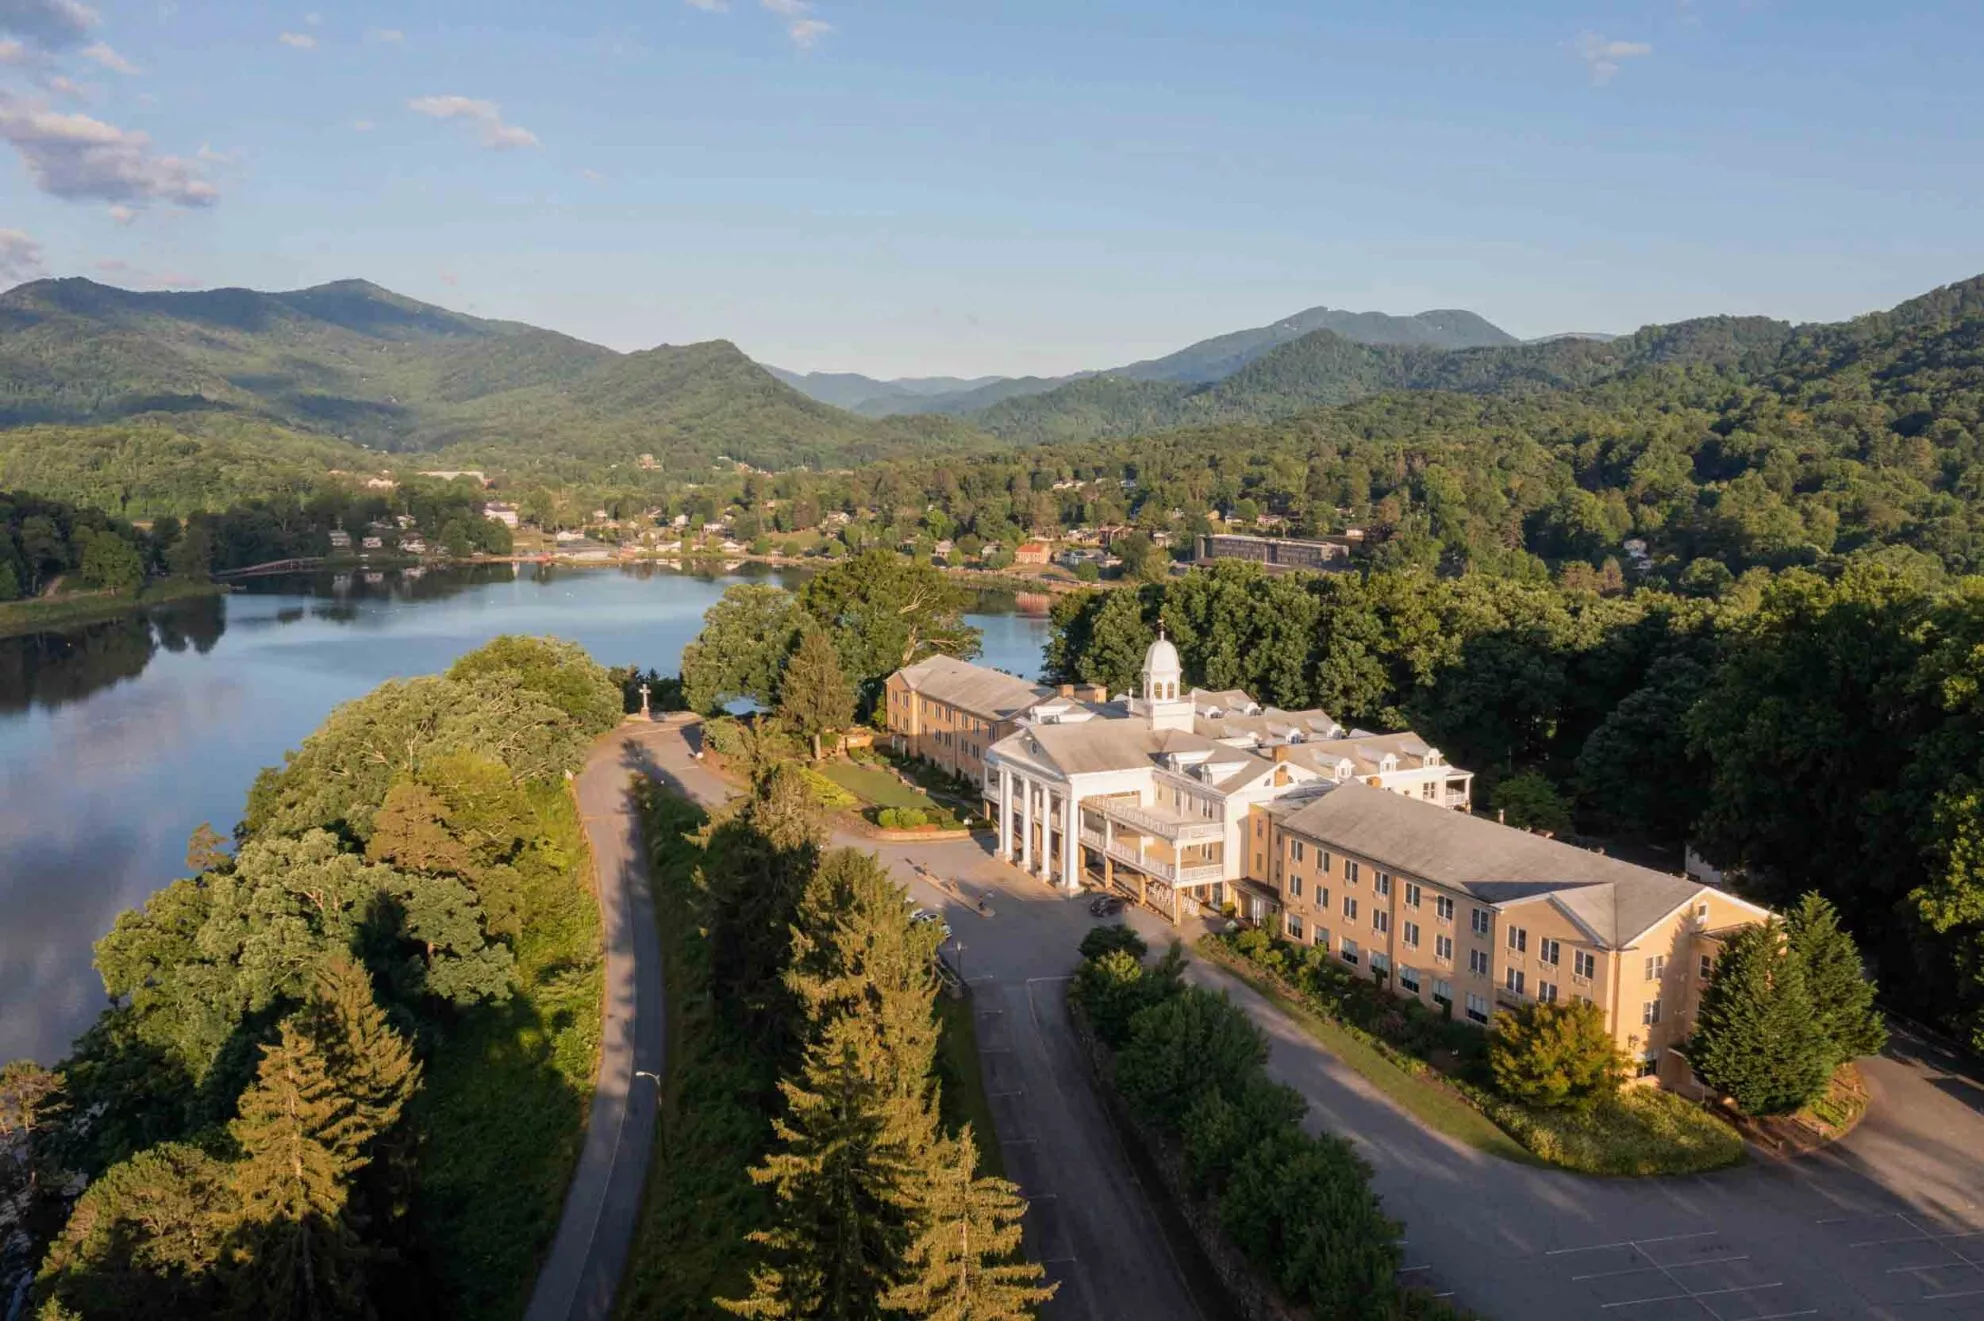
(1361, 844)
(1319, 554)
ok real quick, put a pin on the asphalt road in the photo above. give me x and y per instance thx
(1888, 1224)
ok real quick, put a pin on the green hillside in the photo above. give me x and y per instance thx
(354, 362)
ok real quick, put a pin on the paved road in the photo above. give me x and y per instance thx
(581, 1273)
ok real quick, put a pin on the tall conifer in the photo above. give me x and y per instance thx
(964, 1262)
(814, 695)
(1757, 1037)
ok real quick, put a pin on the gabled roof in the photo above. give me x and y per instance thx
(1092, 746)
(1615, 901)
(972, 688)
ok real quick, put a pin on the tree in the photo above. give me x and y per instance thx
(743, 645)
(813, 696)
(113, 564)
(144, 1241)
(31, 1101)
(1182, 1045)
(371, 1064)
(1304, 1209)
(559, 672)
(206, 848)
(757, 865)
(963, 1263)
(886, 611)
(1551, 1055)
(1528, 800)
(1758, 1038)
(1836, 979)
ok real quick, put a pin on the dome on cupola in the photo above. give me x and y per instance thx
(1161, 659)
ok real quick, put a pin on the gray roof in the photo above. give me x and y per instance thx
(973, 688)
(1087, 746)
(1617, 901)
(1366, 753)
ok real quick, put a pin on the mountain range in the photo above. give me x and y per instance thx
(1199, 363)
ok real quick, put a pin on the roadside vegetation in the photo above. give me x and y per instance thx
(360, 1034)
(810, 1054)
(1190, 1070)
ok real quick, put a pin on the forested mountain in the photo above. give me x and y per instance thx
(356, 362)
(1202, 363)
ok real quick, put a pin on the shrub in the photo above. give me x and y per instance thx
(1304, 1208)
(825, 792)
(1114, 988)
(1552, 1055)
(1108, 940)
(1183, 1045)
(1529, 800)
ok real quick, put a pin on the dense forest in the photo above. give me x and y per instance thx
(1808, 730)
(347, 1059)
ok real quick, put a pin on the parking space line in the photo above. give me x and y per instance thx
(1961, 1293)
(1694, 1297)
(1781, 1316)
(1918, 1238)
(1634, 1242)
(1641, 1270)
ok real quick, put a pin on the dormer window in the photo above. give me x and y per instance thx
(1432, 757)
(1389, 763)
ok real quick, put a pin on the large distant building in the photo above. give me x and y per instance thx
(1321, 554)
(1360, 844)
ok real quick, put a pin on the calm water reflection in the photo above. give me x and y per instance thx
(116, 741)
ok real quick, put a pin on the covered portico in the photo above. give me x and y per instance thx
(1183, 854)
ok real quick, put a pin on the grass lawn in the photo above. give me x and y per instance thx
(881, 789)
(1645, 1131)
(502, 1115)
(1428, 1099)
(42, 614)
(963, 1098)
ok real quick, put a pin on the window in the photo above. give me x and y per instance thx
(1412, 894)
(1350, 872)
(1483, 922)
(1650, 1012)
(1649, 1066)
(1549, 951)
(1443, 908)
(1656, 967)
(1426, 789)
(1349, 950)
(1295, 886)
(1708, 965)
(1583, 964)
(1477, 962)
(1323, 898)
(1381, 921)
(1295, 849)
(1350, 908)
(1329, 863)
(1547, 992)
(1513, 980)
(1477, 1008)
(1519, 940)
(1323, 937)
(1443, 948)
(1380, 962)
(1294, 925)
(1381, 882)
(1443, 992)
(1408, 978)
(1412, 934)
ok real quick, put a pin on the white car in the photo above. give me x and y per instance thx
(922, 915)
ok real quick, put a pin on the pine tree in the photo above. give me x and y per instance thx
(1837, 980)
(293, 1252)
(372, 1065)
(1757, 1038)
(851, 1154)
(964, 1264)
(814, 696)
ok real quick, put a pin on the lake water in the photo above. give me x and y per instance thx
(118, 740)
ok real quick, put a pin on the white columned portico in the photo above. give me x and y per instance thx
(1071, 841)
(1005, 813)
(1026, 824)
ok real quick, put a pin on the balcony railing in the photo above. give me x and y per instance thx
(1456, 798)
(1129, 812)
(1162, 868)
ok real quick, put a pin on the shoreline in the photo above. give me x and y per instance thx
(22, 618)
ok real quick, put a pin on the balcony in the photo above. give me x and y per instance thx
(1157, 865)
(1153, 820)
(1456, 798)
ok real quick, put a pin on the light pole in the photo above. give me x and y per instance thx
(643, 1073)
(959, 942)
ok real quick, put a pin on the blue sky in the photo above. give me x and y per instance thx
(903, 187)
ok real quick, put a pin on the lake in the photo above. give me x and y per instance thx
(118, 740)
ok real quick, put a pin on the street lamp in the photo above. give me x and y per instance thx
(643, 1073)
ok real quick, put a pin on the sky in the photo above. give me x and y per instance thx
(911, 187)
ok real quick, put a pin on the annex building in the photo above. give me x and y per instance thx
(1361, 844)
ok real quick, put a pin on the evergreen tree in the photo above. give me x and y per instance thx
(964, 1263)
(293, 1252)
(1758, 1038)
(1841, 995)
(851, 1152)
(372, 1065)
(758, 863)
(814, 696)
(1555, 1055)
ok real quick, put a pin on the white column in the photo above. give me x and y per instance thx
(1005, 849)
(1026, 824)
(1071, 876)
(1048, 864)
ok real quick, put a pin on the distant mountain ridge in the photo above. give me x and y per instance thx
(358, 362)
(1200, 363)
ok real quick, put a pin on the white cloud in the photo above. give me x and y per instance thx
(709, 6)
(788, 8)
(14, 53)
(1602, 55)
(108, 58)
(450, 279)
(362, 126)
(591, 176)
(20, 255)
(123, 215)
(212, 157)
(78, 158)
(806, 31)
(486, 116)
(52, 24)
(298, 40)
(385, 36)
(315, 20)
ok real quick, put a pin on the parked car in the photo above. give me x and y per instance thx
(922, 915)
(1106, 905)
